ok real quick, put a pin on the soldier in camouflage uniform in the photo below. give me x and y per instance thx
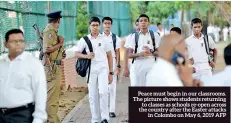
(53, 47)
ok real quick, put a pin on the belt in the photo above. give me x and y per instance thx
(9, 110)
(57, 62)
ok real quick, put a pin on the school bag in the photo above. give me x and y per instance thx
(137, 39)
(206, 41)
(83, 64)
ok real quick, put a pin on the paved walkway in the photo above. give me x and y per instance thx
(81, 113)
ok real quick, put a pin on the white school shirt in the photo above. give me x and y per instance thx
(144, 40)
(222, 78)
(129, 37)
(163, 73)
(118, 43)
(100, 48)
(126, 45)
(23, 81)
(196, 49)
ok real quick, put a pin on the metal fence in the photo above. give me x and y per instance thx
(24, 14)
(118, 11)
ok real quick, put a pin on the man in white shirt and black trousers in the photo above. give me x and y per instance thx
(23, 89)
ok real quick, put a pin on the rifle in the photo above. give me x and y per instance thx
(43, 55)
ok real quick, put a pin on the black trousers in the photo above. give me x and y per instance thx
(17, 115)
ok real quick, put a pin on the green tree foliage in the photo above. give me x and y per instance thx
(82, 19)
(182, 5)
(135, 8)
(158, 11)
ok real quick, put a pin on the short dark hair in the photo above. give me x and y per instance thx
(143, 15)
(53, 20)
(196, 20)
(176, 29)
(107, 18)
(158, 24)
(12, 31)
(227, 55)
(94, 19)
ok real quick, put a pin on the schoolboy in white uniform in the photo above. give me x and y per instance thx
(196, 45)
(115, 50)
(101, 70)
(143, 58)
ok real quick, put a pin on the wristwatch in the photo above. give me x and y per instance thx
(118, 66)
(111, 73)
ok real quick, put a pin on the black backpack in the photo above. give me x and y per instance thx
(83, 64)
(137, 39)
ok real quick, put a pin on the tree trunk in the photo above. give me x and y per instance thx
(205, 24)
(182, 23)
(224, 8)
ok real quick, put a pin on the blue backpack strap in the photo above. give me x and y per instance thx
(114, 41)
(206, 44)
(153, 39)
(136, 44)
